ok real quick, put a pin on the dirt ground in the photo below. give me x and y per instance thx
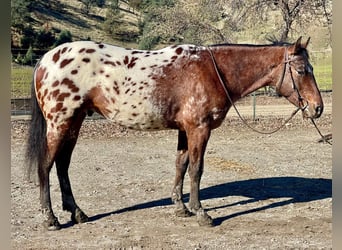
(263, 191)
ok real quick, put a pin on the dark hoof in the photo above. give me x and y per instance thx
(204, 219)
(79, 217)
(183, 212)
(52, 225)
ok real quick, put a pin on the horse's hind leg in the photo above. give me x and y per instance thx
(62, 165)
(44, 168)
(182, 162)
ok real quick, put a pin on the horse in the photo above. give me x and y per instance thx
(189, 88)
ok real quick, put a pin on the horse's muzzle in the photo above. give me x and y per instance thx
(312, 111)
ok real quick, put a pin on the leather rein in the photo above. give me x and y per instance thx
(278, 87)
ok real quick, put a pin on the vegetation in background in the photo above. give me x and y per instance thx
(150, 24)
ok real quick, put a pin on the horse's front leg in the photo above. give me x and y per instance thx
(182, 163)
(197, 142)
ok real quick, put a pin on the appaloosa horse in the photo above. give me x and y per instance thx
(185, 87)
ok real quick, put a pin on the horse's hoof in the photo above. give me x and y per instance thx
(183, 212)
(204, 219)
(79, 216)
(52, 225)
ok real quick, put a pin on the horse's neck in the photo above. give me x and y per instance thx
(248, 68)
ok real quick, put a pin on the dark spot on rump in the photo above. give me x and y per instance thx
(155, 53)
(107, 89)
(94, 73)
(174, 46)
(143, 68)
(56, 56)
(74, 72)
(49, 116)
(127, 91)
(90, 51)
(101, 46)
(126, 60)
(107, 55)
(40, 72)
(64, 49)
(55, 83)
(165, 60)
(107, 76)
(147, 55)
(46, 75)
(174, 58)
(141, 88)
(132, 63)
(81, 50)
(179, 50)
(112, 99)
(118, 63)
(135, 114)
(109, 62)
(116, 89)
(124, 103)
(77, 98)
(55, 93)
(101, 71)
(66, 62)
(169, 65)
(70, 84)
(57, 108)
(136, 52)
(86, 60)
(62, 96)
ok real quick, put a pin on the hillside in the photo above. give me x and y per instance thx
(69, 15)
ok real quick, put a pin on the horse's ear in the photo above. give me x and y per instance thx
(306, 44)
(296, 46)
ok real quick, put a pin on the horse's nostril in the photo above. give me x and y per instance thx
(319, 110)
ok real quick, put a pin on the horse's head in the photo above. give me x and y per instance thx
(298, 83)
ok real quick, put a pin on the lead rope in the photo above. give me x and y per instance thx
(237, 111)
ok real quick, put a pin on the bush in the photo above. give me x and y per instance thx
(64, 37)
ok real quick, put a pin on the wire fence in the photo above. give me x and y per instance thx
(254, 104)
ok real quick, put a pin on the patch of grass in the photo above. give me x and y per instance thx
(322, 64)
(323, 75)
(21, 77)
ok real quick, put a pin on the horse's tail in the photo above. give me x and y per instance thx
(37, 144)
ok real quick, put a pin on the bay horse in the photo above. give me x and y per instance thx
(181, 87)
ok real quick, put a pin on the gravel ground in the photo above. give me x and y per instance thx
(263, 191)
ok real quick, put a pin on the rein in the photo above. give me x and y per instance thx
(277, 89)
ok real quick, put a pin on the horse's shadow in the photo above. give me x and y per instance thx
(295, 189)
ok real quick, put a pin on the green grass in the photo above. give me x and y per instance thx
(21, 77)
(323, 75)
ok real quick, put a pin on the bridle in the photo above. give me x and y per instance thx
(287, 65)
(279, 84)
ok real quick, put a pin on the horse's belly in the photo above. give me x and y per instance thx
(140, 115)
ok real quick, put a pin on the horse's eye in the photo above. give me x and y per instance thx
(301, 72)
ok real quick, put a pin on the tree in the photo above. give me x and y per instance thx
(19, 12)
(88, 4)
(293, 13)
(64, 37)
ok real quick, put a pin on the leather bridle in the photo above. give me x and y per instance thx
(287, 65)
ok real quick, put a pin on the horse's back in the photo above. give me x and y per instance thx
(118, 83)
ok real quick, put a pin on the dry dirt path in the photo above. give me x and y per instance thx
(264, 192)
